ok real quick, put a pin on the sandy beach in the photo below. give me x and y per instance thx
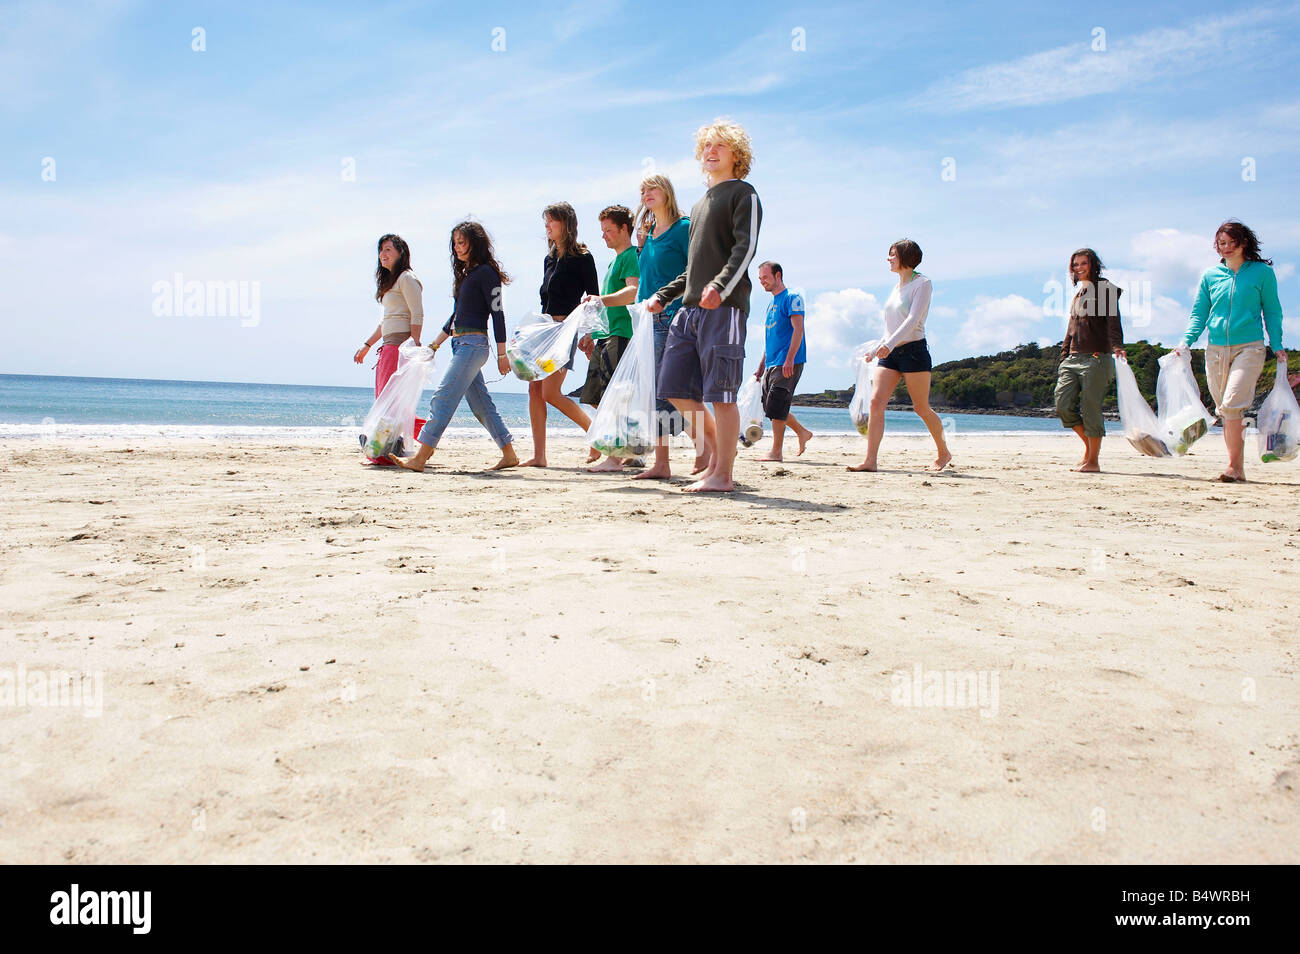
(301, 659)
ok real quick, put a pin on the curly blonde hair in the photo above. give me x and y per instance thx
(730, 134)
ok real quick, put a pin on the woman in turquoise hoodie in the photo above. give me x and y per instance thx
(1237, 300)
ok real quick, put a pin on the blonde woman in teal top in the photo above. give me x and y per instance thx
(665, 232)
(1237, 301)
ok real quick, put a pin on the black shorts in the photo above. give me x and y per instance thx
(605, 356)
(778, 391)
(908, 358)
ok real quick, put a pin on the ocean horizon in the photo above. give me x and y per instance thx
(73, 407)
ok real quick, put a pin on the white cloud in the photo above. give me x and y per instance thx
(1116, 145)
(998, 324)
(583, 16)
(1173, 260)
(1079, 69)
(838, 322)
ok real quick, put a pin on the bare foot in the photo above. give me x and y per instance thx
(1233, 477)
(654, 473)
(710, 484)
(803, 441)
(534, 461)
(410, 463)
(1087, 469)
(507, 460)
(864, 467)
(593, 456)
(702, 462)
(606, 466)
(776, 458)
(940, 463)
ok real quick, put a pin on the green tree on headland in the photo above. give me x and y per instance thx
(1026, 377)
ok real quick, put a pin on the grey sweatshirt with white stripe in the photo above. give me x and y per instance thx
(723, 239)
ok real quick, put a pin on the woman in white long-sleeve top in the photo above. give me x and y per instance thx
(904, 355)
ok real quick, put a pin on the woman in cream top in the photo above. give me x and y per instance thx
(403, 310)
(400, 293)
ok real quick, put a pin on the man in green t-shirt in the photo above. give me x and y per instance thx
(618, 290)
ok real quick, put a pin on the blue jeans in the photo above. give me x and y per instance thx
(670, 420)
(464, 379)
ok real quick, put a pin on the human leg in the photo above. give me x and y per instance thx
(668, 420)
(918, 389)
(1097, 373)
(800, 432)
(465, 365)
(778, 441)
(718, 477)
(486, 413)
(537, 422)
(882, 388)
(1068, 384)
(1232, 371)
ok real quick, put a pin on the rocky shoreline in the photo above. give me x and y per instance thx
(821, 400)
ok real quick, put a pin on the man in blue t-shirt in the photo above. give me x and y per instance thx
(784, 357)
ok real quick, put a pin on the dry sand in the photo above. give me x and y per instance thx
(308, 660)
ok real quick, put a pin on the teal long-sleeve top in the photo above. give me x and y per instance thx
(1231, 304)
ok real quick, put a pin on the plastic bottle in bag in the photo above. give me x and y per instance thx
(1278, 421)
(389, 425)
(1178, 403)
(624, 423)
(860, 406)
(1141, 426)
(749, 401)
(540, 345)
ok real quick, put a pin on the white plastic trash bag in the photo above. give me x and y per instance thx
(1178, 403)
(860, 406)
(1141, 426)
(749, 401)
(1278, 421)
(389, 427)
(540, 345)
(624, 423)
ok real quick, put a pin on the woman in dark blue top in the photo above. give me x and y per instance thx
(568, 273)
(477, 281)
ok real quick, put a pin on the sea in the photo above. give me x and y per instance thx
(67, 408)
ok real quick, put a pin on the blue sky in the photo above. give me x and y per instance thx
(225, 165)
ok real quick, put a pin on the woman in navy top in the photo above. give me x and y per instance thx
(568, 273)
(476, 283)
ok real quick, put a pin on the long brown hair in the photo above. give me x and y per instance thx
(480, 253)
(563, 213)
(1094, 265)
(384, 279)
(1243, 236)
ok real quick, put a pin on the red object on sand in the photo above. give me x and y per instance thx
(383, 371)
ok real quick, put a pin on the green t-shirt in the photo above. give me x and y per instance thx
(620, 270)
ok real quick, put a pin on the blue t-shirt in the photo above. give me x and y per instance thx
(662, 260)
(780, 330)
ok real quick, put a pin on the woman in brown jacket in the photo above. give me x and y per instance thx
(1093, 340)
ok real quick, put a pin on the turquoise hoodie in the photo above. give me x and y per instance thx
(1231, 304)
